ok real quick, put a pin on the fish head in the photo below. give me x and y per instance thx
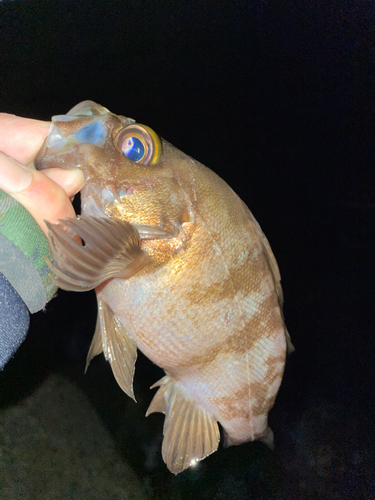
(130, 173)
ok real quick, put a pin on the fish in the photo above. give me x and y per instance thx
(182, 271)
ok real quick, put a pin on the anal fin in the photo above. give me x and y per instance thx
(190, 432)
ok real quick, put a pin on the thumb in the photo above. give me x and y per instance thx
(40, 195)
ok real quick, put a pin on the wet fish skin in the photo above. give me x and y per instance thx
(196, 287)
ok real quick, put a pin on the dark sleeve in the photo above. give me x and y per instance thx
(14, 321)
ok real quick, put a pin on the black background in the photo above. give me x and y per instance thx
(278, 98)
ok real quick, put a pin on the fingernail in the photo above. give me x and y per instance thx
(14, 177)
(79, 179)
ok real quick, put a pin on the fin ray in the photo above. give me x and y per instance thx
(112, 250)
(151, 232)
(190, 432)
(118, 347)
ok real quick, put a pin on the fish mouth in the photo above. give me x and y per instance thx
(83, 123)
(68, 132)
(87, 122)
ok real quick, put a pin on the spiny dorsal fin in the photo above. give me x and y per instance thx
(119, 349)
(190, 433)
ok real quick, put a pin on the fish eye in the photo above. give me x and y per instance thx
(139, 143)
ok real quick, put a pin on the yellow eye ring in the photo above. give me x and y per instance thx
(139, 143)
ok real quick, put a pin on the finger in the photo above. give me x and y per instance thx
(71, 181)
(21, 138)
(41, 196)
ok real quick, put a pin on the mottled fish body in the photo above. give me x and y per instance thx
(182, 271)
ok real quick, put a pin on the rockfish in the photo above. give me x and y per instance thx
(182, 271)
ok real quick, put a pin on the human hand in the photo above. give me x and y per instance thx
(46, 195)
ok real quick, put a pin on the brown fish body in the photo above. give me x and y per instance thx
(206, 307)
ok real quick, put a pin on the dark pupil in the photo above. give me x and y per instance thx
(133, 149)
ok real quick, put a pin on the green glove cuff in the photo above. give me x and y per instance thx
(23, 247)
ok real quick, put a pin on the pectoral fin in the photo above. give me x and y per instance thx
(119, 349)
(190, 433)
(111, 250)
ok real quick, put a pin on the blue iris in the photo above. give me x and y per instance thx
(133, 149)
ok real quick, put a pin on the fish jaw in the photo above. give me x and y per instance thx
(86, 123)
(76, 137)
(77, 140)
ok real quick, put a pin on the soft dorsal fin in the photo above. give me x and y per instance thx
(119, 349)
(190, 432)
